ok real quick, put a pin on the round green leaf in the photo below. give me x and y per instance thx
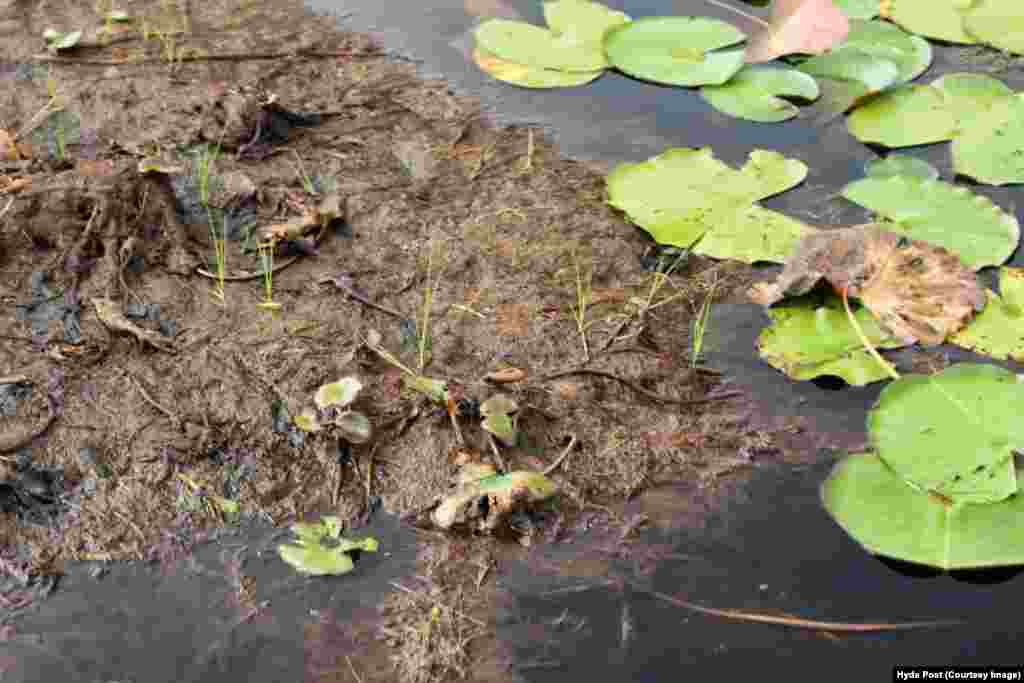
(755, 94)
(66, 41)
(853, 64)
(950, 216)
(940, 19)
(534, 46)
(999, 23)
(806, 340)
(901, 165)
(676, 50)
(848, 75)
(339, 394)
(684, 196)
(858, 9)
(908, 115)
(970, 95)
(887, 517)
(998, 331)
(911, 54)
(952, 432)
(582, 21)
(529, 76)
(992, 149)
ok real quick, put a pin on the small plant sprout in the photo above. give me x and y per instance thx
(332, 401)
(266, 251)
(220, 247)
(700, 327)
(307, 182)
(320, 550)
(423, 328)
(583, 297)
(499, 418)
(207, 157)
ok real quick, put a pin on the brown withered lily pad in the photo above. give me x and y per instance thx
(917, 291)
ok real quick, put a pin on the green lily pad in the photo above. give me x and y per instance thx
(911, 54)
(530, 76)
(685, 197)
(952, 432)
(887, 517)
(676, 50)
(968, 96)
(858, 9)
(905, 116)
(951, 216)
(998, 331)
(582, 21)
(847, 76)
(538, 47)
(756, 94)
(939, 19)
(320, 550)
(998, 23)
(338, 394)
(808, 340)
(901, 165)
(992, 149)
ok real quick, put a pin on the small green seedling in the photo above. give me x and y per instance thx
(56, 41)
(266, 251)
(333, 399)
(228, 510)
(321, 551)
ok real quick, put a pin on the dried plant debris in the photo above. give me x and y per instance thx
(488, 503)
(918, 292)
(251, 120)
(109, 313)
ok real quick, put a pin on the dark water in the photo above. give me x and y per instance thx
(181, 623)
(772, 548)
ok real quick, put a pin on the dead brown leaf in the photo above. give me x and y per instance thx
(799, 26)
(506, 376)
(917, 291)
(8, 147)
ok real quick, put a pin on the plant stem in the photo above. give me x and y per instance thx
(735, 10)
(864, 340)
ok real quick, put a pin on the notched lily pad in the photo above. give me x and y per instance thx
(916, 291)
(676, 50)
(953, 432)
(320, 550)
(946, 215)
(686, 198)
(756, 94)
(808, 340)
(887, 517)
(998, 331)
(527, 76)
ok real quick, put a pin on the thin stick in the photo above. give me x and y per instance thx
(240, 57)
(640, 390)
(149, 399)
(497, 453)
(794, 622)
(558, 461)
(7, 208)
(14, 379)
(864, 340)
(353, 669)
(438, 603)
(734, 10)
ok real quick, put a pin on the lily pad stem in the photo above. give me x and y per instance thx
(864, 339)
